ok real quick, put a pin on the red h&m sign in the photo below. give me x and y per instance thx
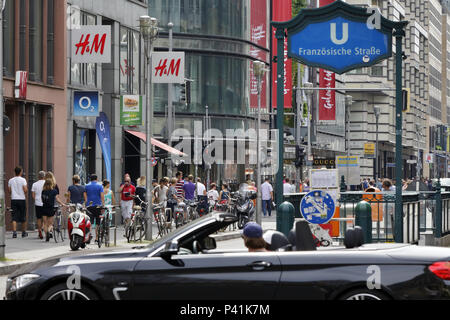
(20, 88)
(282, 11)
(258, 22)
(91, 44)
(327, 79)
(168, 67)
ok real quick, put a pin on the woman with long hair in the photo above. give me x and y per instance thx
(50, 195)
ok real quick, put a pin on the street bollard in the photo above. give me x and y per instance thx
(363, 218)
(285, 217)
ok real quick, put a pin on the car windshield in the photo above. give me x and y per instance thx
(178, 231)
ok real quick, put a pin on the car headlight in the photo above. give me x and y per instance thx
(21, 281)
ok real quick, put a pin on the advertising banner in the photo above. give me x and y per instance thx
(327, 79)
(86, 104)
(369, 150)
(258, 22)
(20, 88)
(282, 11)
(168, 67)
(91, 44)
(104, 136)
(131, 113)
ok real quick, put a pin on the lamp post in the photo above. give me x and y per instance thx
(149, 31)
(348, 104)
(309, 92)
(259, 71)
(170, 125)
(419, 160)
(2, 164)
(377, 111)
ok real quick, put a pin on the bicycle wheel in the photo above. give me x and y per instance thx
(106, 234)
(101, 232)
(129, 231)
(140, 230)
(57, 228)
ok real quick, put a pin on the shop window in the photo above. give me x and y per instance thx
(129, 61)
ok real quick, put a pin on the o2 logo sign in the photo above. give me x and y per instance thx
(86, 104)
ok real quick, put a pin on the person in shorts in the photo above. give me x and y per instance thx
(127, 191)
(50, 195)
(95, 200)
(77, 192)
(36, 192)
(18, 188)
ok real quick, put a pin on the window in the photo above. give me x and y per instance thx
(8, 38)
(85, 73)
(50, 41)
(129, 60)
(376, 71)
(35, 39)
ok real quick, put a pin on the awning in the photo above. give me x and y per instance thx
(157, 143)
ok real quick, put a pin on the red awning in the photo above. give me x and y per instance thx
(157, 143)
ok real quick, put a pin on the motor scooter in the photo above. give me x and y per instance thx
(244, 207)
(79, 228)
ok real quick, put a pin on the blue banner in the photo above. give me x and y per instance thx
(85, 104)
(104, 136)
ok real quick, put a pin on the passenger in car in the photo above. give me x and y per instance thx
(253, 237)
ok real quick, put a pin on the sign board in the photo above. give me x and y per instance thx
(324, 162)
(411, 161)
(369, 150)
(390, 164)
(349, 168)
(317, 207)
(131, 110)
(168, 67)
(324, 178)
(91, 44)
(20, 88)
(429, 158)
(86, 104)
(339, 44)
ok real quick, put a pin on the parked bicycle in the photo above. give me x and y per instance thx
(159, 213)
(136, 229)
(104, 226)
(59, 229)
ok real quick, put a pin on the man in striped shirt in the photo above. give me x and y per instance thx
(179, 185)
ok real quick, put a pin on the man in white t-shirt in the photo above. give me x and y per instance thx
(287, 187)
(267, 197)
(201, 189)
(36, 192)
(17, 188)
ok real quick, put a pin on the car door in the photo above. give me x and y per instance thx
(208, 276)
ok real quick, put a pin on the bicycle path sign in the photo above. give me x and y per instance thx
(317, 207)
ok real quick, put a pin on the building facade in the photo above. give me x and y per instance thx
(34, 41)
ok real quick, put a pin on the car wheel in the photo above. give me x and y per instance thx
(364, 294)
(62, 292)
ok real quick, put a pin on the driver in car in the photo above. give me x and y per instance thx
(253, 237)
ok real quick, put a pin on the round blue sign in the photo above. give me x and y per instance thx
(317, 207)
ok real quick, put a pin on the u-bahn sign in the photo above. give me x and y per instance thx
(340, 37)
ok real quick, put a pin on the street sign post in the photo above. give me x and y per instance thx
(341, 37)
(317, 207)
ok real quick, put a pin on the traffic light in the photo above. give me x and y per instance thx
(186, 93)
(406, 102)
(300, 156)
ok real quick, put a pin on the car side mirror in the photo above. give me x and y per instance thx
(209, 243)
(170, 249)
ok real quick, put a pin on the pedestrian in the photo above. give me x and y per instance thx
(379, 184)
(95, 200)
(155, 191)
(50, 197)
(163, 187)
(213, 195)
(180, 184)
(76, 192)
(287, 187)
(141, 191)
(127, 191)
(293, 189)
(200, 190)
(36, 193)
(224, 195)
(126, 177)
(108, 195)
(267, 197)
(189, 188)
(253, 237)
(172, 198)
(387, 185)
(17, 188)
(306, 187)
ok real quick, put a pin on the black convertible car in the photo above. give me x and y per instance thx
(187, 265)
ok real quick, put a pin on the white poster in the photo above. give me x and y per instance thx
(168, 67)
(91, 44)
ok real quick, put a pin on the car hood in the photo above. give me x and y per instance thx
(79, 259)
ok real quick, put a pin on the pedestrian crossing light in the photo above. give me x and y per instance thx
(406, 100)
(186, 93)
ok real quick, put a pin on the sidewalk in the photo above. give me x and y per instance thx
(22, 251)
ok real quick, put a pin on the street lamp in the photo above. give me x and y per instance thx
(377, 111)
(259, 71)
(309, 93)
(348, 104)
(149, 31)
(419, 160)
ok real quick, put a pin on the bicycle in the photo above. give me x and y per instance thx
(137, 227)
(105, 222)
(58, 226)
(160, 219)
